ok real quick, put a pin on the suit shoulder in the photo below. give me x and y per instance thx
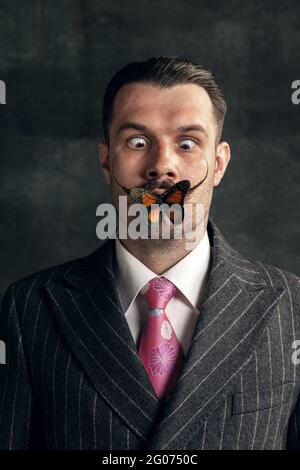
(278, 277)
(45, 275)
(33, 282)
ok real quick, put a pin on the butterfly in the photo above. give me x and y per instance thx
(174, 195)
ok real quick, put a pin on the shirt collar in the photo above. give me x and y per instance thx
(189, 275)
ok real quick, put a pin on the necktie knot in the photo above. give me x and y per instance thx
(158, 292)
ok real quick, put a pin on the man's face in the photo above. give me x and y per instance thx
(162, 136)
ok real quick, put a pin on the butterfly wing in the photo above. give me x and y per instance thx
(177, 192)
(142, 196)
(176, 195)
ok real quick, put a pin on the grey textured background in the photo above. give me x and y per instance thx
(56, 58)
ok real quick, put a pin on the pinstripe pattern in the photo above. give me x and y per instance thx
(110, 430)
(94, 421)
(223, 421)
(74, 380)
(271, 388)
(204, 435)
(257, 402)
(241, 414)
(66, 403)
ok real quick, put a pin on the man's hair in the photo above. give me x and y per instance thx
(164, 72)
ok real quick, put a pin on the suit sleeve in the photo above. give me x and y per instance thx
(16, 397)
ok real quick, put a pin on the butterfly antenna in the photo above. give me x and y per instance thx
(202, 181)
(123, 187)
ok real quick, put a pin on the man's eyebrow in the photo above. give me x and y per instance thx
(193, 127)
(131, 125)
(140, 127)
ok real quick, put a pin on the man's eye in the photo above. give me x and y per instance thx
(137, 142)
(187, 144)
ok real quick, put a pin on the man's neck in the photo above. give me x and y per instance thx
(160, 255)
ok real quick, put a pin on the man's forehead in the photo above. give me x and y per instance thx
(134, 94)
(179, 104)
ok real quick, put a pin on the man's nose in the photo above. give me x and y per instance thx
(161, 164)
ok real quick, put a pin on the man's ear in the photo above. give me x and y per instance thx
(104, 160)
(221, 161)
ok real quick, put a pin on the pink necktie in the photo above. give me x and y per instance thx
(159, 348)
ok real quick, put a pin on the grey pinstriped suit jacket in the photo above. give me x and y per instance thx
(73, 378)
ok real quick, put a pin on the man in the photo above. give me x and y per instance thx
(78, 336)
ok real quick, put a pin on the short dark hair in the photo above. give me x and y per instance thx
(164, 72)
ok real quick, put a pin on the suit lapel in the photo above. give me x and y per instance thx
(236, 307)
(90, 315)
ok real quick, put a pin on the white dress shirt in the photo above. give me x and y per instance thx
(189, 275)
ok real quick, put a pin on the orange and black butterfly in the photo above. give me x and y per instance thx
(174, 195)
